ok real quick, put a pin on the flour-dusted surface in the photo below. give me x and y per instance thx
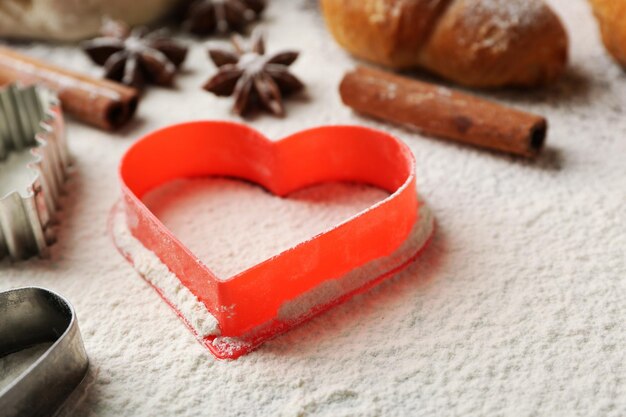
(518, 308)
(305, 214)
(153, 270)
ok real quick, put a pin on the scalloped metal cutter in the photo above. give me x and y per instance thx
(30, 118)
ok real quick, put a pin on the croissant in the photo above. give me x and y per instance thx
(611, 15)
(477, 43)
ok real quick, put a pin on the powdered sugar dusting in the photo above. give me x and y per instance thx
(497, 22)
(378, 11)
(503, 13)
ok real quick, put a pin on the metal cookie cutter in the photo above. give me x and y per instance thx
(31, 117)
(30, 316)
(305, 280)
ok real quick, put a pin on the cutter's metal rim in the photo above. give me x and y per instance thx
(67, 354)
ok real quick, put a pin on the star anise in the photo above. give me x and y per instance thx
(255, 79)
(134, 57)
(205, 17)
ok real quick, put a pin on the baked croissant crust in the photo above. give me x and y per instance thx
(611, 15)
(478, 43)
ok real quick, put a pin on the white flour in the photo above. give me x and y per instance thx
(332, 289)
(516, 309)
(152, 269)
(288, 221)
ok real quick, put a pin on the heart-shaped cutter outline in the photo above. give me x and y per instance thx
(247, 305)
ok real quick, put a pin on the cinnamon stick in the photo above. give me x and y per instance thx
(442, 112)
(101, 103)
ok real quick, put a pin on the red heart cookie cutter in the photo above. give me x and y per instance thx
(275, 295)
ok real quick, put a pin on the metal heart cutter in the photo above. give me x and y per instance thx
(30, 118)
(31, 316)
(233, 315)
